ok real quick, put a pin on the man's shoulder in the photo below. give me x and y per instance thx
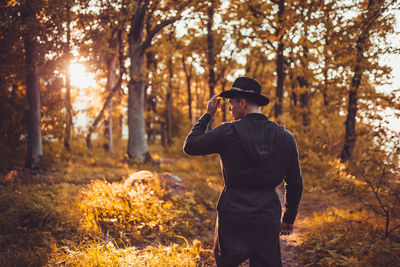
(224, 126)
(285, 134)
(288, 133)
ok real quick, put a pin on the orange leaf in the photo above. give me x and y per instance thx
(11, 2)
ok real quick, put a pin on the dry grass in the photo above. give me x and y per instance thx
(76, 212)
(347, 237)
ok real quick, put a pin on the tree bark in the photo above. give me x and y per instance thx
(168, 104)
(68, 106)
(223, 105)
(211, 54)
(280, 63)
(111, 75)
(327, 60)
(34, 151)
(137, 145)
(188, 75)
(305, 105)
(350, 123)
(189, 90)
(303, 82)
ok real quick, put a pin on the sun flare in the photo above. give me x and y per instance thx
(80, 77)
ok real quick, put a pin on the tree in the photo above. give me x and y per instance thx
(111, 89)
(270, 23)
(211, 51)
(188, 70)
(108, 20)
(280, 60)
(68, 106)
(369, 22)
(33, 29)
(140, 39)
(13, 102)
(30, 23)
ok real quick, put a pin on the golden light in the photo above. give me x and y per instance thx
(80, 77)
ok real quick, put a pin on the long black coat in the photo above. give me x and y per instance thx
(256, 155)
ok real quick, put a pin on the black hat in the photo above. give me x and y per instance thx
(246, 87)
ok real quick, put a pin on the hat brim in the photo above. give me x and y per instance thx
(257, 98)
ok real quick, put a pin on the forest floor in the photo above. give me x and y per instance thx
(81, 210)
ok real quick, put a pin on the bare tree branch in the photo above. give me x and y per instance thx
(110, 95)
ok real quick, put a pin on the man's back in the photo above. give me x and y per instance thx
(256, 155)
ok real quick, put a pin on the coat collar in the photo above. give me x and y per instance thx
(258, 116)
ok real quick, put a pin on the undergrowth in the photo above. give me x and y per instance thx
(144, 213)
(347, 237)
(77, 211)
(108, 254)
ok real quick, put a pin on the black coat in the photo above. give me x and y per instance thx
(256, 155)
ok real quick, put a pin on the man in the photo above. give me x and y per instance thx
(256, 155)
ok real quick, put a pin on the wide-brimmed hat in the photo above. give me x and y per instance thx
(248, 88)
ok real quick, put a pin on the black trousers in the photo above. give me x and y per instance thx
(235, 244)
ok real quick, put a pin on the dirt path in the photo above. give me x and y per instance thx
(290, 244)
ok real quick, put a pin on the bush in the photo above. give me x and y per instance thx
(346, 238)
(141, 214)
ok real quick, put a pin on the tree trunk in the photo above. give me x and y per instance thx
(223, 105)
(304, 84)
(137, 145)
(293, 96)
(211, 54)
(168, 104)
(189, 90)
(327, 60)
(111, 75)
(162, 129)
(68, 106)
(111, 93)
(350, 123)
(188, 74)
(280, 63)
(34, 151)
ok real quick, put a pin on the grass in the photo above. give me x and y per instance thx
(347, 237)
(77, 212)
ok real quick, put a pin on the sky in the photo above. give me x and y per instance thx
(393, 61)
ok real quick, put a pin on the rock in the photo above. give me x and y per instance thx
(168, 180)
(173, 182)
(140, 176)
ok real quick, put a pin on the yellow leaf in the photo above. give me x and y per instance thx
(11, 3)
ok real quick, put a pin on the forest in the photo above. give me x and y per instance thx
(97, 97)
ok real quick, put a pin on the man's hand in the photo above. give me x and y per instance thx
(286, 228)
(213, 105)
